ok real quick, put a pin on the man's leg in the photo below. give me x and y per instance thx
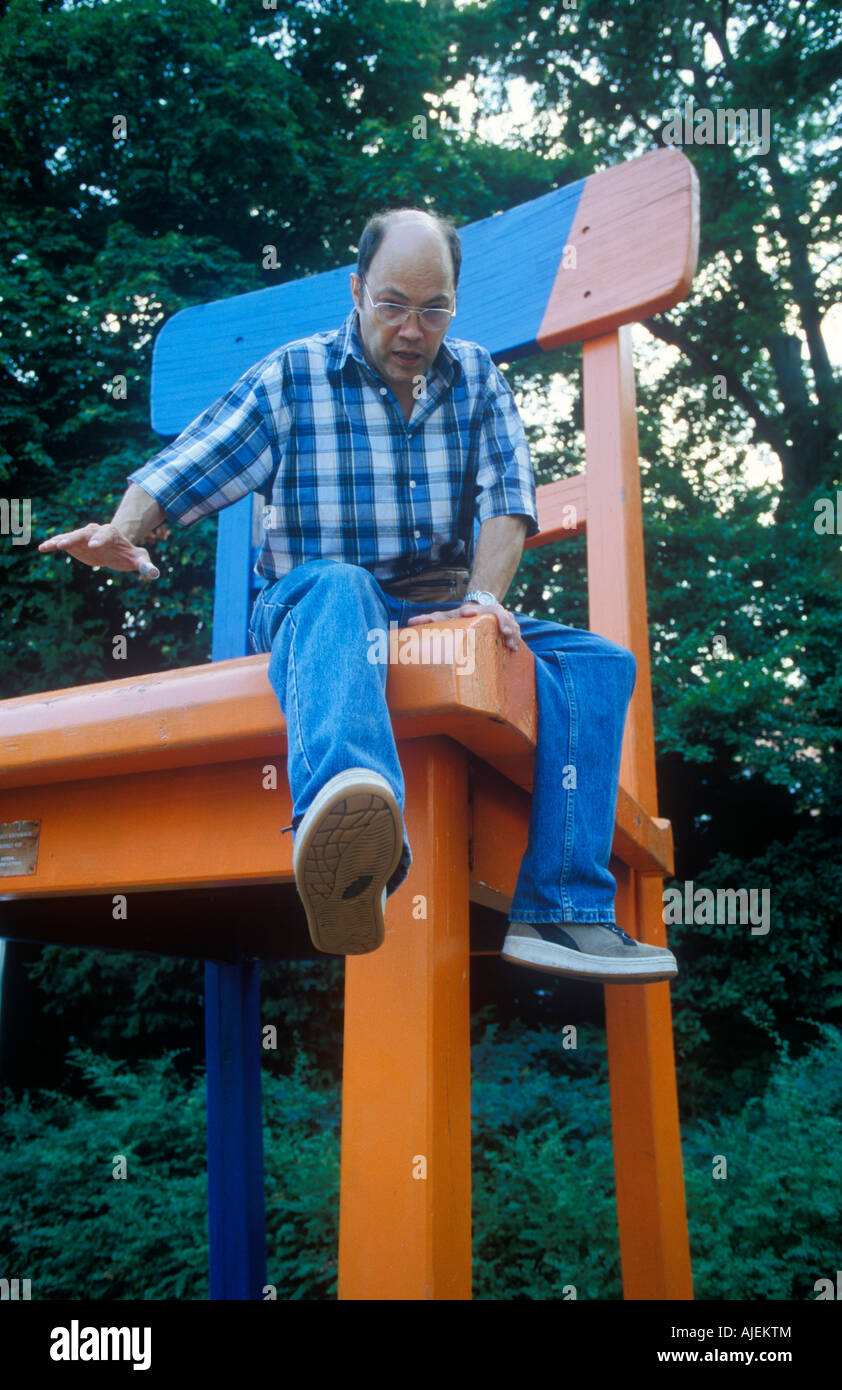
(344, 773)
(562, 915)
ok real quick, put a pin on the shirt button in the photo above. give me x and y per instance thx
(417, 535)
(412, 482)
(382, 390)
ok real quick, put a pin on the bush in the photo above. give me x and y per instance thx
(70, 1226)
(544, 1209)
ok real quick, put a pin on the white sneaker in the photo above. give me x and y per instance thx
(347, 847)
(587, 951)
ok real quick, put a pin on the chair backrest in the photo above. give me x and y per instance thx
(569, 266)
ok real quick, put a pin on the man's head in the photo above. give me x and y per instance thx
(406, 256)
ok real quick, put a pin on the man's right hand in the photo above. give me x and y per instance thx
(103, 545)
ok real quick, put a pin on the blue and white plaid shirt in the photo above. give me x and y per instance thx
(318, 432)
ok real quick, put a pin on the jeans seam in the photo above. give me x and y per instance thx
(597, 915)
(294, 689)
(567, 856)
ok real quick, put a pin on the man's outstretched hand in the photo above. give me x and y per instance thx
(506, 621)
(103, 545)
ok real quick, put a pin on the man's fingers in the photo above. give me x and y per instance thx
(66, 538)
(117, 552)
(56, 542)
(507, 624)
(437, 617)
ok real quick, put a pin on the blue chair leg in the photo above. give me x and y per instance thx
(236, 1210)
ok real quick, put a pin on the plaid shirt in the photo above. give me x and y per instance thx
(315, 430)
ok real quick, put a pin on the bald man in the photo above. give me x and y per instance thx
(382, 447)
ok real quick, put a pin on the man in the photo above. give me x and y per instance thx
(381, 446)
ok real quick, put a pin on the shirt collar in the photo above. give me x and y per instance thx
(347, 345)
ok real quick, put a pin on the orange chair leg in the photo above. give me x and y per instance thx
(405, 1195)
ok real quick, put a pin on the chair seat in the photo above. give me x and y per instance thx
(177, 780)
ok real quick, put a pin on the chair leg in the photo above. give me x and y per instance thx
(405, 1198)
(648, 1171)
(236, 1221)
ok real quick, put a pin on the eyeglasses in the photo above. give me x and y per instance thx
(390, 315)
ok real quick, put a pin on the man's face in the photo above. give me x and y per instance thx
(412, 266)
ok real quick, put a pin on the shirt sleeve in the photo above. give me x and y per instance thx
(231, 449)
(505, 482)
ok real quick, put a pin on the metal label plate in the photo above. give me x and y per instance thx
(18, 847)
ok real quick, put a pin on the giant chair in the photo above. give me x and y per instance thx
(156, 787)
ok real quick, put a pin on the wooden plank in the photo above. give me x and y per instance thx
(202, 350)
(236, 1205)
(651, 1209)
(236, 1212)
(221, 824)
(633, 249)
(232, 598)
(226, 711)
(562, 511)
(206, 826)
(405, 1196)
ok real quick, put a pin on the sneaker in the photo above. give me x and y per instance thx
(589, 951)
(346, 848)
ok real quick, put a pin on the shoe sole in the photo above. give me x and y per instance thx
(560, 960)
(349, 843)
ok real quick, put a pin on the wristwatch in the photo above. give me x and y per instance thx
(480, 596)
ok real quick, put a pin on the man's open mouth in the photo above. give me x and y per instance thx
(408, 356)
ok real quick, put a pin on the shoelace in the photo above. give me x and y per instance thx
(623, 935)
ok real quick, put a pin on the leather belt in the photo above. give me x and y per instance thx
(435, 585)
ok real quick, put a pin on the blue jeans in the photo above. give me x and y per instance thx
(316, 622)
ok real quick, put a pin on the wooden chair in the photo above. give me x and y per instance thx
(156, 788)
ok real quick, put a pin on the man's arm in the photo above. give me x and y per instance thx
(115, 544)
(224, 454)
(497, 555)
(496, 558)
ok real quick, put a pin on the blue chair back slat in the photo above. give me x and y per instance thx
(201, 351)
(233, 586)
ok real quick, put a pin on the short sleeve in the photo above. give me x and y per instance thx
(505, 482)
(232, 449)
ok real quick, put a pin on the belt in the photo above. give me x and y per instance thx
(435, 585)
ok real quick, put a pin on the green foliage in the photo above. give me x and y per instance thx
(544, 1213)
(131, 1006)
(301, 1134)
(605, 80)
(770, 1229)
(122, 1003)
(736, 989)
(69, 1225)
(544, 1206)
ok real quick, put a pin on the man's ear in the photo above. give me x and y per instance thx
(355, 288)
